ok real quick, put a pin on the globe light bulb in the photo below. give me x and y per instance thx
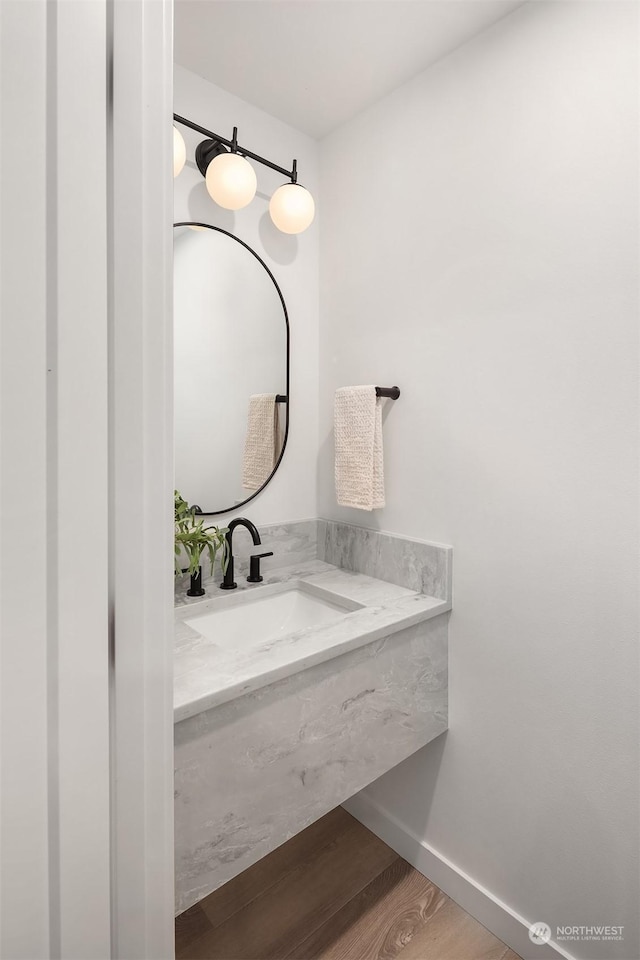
(231, 181)
(179, 152)
(292, 208)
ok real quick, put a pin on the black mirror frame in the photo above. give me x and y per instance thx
(236, 506)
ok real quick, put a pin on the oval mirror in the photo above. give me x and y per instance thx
(231, 369)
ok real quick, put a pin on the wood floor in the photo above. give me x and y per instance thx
(336, 892)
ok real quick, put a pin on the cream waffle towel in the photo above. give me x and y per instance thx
(358, 439)
(263, 443)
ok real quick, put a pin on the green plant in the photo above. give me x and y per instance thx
(193, 538)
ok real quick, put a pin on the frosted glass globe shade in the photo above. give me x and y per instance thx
(231, 181)
(292, 208)
(179, 152)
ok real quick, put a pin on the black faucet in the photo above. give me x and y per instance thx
(229, 583)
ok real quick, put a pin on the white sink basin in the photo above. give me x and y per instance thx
(254, 619)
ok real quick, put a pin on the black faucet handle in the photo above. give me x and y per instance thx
(254, 566)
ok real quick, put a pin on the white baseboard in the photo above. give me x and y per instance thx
(491, 912)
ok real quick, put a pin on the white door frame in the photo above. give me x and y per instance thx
(27, 630)
(86, 795)
(142, 488)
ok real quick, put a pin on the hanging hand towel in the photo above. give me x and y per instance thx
(359, 465)
(262, 444)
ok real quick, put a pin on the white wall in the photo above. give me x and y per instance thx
(292, 494)
(479, 248)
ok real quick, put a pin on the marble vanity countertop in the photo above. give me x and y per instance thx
(207, 675)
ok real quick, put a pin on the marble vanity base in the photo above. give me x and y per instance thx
(256, 770)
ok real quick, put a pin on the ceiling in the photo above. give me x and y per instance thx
(317, 63)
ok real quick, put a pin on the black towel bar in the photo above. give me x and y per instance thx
(392, 392)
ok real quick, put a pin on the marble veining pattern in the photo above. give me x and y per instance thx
(207, 675)
(416, 564)
(256, 770)
(271, 735)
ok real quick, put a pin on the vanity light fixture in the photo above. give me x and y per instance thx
(291, 207)
(231, 180)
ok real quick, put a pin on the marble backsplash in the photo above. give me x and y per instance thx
(292, 543)
(415, 564)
